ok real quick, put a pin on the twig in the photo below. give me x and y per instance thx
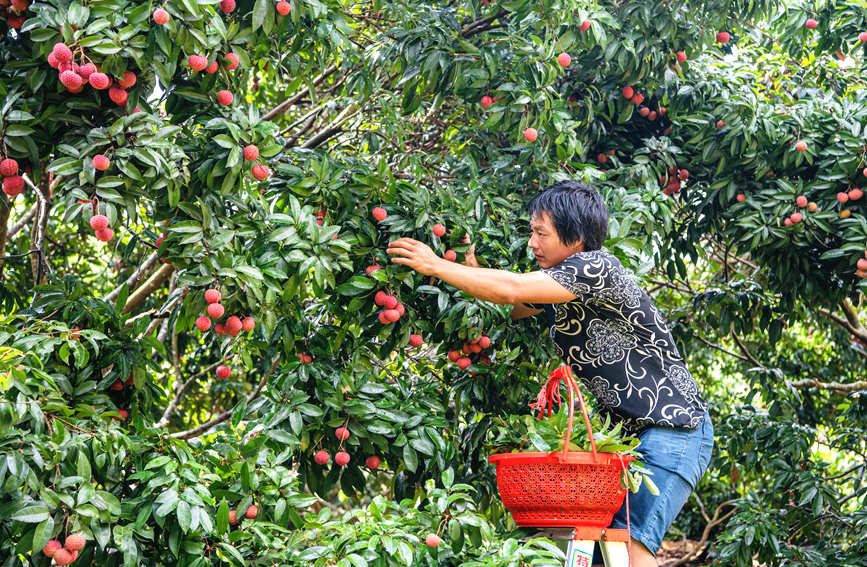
(130, 281)
(41, 262)
(203, 428)
(16, 228)
(836, 386)
(181, 388)
(280, 108)
(156, 280)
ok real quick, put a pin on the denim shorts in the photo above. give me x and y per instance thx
(678, 458)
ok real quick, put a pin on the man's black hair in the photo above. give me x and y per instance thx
(577, 211)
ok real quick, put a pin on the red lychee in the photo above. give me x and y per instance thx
(215, 310)
(261, 172)
(227, 6)
(198, 62)
(251, 152)
(8, 167)
(70, 79)
(104, 235)
(379, 213)
(223, 372)
(681, 56)
(225, 97)
(99, 81)
(101, 162)
(203, 323)
(161, 17)
(464, 363)
(439, 230)
(50, 547)
(585, 25)
(98, 222)
(233, 325)
(450, 255)
(248, 324)
(811, 23)
(432, 540)
(486, 102)
(341, 458)
(628, 92)
(283, 8)
(233, 61)
(62, 53)
(252, 512)
(372, 462)
(530, 134)
(563, 59)
(723, 37)
(341, 433)
(128, 80)
(415, 340)
(801, 201)
(75, 542)
(321, 457)
(213, 296)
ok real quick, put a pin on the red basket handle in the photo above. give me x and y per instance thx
(550, 394)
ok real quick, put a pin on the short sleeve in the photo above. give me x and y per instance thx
(584, 274)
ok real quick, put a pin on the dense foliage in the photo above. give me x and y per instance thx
(733, 172)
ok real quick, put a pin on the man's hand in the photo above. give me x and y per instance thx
(470, 256)
(417, 255)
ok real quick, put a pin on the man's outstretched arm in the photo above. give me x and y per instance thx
(496, 286)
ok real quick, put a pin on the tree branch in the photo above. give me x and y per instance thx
(746, 351)
(203, 428)
(5, 210)
(705, 536)
(835, 386)
(281, 108)
(131, 281)
(16, 228)
(39, 229)
(181, 388)
(155, 281)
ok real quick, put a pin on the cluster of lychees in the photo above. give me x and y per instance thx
(672, 183)
(13, 184)
(233, 325)
(13, 11)
(462, 357)
(341, 457)
(99, 224)
(74, 76)
(66, 553)
(260, 171)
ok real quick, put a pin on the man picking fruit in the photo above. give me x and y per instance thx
(609, 331)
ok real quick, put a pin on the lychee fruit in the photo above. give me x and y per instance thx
(50, 547)
(628, 92)
(118, 96)
(161, 17)
(261, 172)
(862, 37)
(213, 296)
(797, 217)
(100, 162)
(432, 540)
(227, 6)
(842, 196)
(811, 23)
(484, 341)
(801, 201)
(464, 363)
(75, 542)
(321, 457)
(341, 458)
(341, 433)
(234, 325)
(198, 62)
(585, 25)
(563, 59)
(86, 70)
(116, 386)
(450, 255)
(248, 324)
(391, 315)
(70, 79)
(128, 80)
(486, 102)
(13, 185)
(233, 61)
(251, 152)
(225, 97)
(223, 372)
(215, 310)
(62, 53)
(723, 37)
(855, 194)
(370, 269)
(252, 512)
(99, 81)
(680, 56)
(530, 134)
(637, 98)
(389, 302)
(104, 234)
(372, 462)
(8, 167)
(439, 230)
(379, 298)
(283, 8)
(62, 557)
(415, 340)
(203, 323)
(379, 213)
(233, 518)
(801, 146)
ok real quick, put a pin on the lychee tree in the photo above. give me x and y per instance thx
(207, 356)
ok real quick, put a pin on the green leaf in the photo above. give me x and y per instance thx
(410, 459)
(184, 515)
(44, 531)
(31, 514)
(260, 9)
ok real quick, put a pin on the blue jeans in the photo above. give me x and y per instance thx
(678, 458)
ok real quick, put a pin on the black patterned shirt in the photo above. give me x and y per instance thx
(619, 345)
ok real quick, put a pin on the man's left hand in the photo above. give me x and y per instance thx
(417, 255)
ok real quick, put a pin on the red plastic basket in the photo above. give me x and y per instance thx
(561, 488)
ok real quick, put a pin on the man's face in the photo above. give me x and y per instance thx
(545, 242)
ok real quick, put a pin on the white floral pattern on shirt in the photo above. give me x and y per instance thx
(620, 346)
